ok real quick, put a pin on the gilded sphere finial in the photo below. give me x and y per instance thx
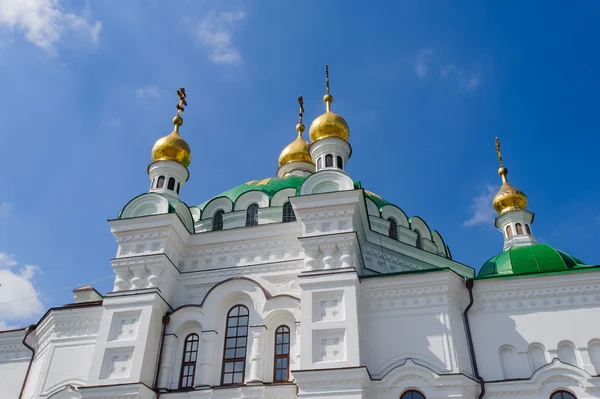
(503, 171)
(177, 120)
(327, 98)
(300, 128)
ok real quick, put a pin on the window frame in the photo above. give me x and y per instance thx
(329, 161)
(161, 182)
(191, 338)
(412, 393)
(252, 220)
(171, 184)
(235, 348)
(393, 230)
(509, 232)
(285, 330)
(519, 229)
(562, 395)
(286, 218)
(219, 212)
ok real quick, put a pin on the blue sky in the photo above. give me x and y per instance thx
(425, 87)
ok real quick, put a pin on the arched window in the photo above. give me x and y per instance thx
(418, 243)
(171, 184)
(288, 213)
(519, 228)
(340, 162)
(234, 353)
(527, 229)
(282, 354)
(188, 362)
(218, 220)
(509, 232)
(393, 232)
(328, 160)
(178, 187)
(252, 215)
(161, 182)
(562, 395)
(319, 162)
(412, 395)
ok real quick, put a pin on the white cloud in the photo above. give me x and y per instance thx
(5, 209)
(482, 212)
(473, 80)
(423, 57)
(215, 31)
(7, 260)
(148, 93)
(447, 71)
(44, 22)
(19, 300)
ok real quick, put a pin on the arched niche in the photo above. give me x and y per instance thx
(537, 356)
(282, 196)
(326, 181)
(145, 205)
(372, 208)
(249, 198)
(185, 215)
(567, 353)
(392, 211)
(219, 203)
(509, 361)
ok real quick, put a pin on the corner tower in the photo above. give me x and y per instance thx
(171, 155)
(329, 134)
(513, 220)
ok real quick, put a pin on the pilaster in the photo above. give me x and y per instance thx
(257, 343)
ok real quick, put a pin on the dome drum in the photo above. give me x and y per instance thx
(167, 177)
(325, 153)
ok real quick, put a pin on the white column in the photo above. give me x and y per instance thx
(207, 365)
(166, 364)
(257, 333)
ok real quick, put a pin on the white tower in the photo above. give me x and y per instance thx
(513, 220)
(329, 134)
(171, 156)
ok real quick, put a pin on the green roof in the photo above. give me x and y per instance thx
(531, 259)
(272, 185)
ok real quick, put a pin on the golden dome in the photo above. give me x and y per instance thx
(508, 198)
(297, 150)
(172, 147)
(329, 124)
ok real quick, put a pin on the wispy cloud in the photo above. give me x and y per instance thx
(215, 31)
(44, 22)
(5, 209)
(482, 212)
(421, 61)
(467, 81)
(17, 286)
(148, 92)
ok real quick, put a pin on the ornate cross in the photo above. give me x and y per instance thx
(327, 77)
(498, 152)
(301, 113)
(182, 102)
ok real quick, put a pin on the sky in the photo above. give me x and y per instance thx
(86, 88)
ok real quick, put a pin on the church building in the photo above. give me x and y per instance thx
(308, 285)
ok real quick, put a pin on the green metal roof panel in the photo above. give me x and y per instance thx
(538, 258)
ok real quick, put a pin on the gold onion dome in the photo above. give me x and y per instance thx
(172, 147)
(329, 124)
(508, 198)
(297, 150)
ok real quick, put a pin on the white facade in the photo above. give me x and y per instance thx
(366, 315)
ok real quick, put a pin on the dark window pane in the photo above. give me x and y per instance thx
(242, 331)
(239, 366)
(288, 213)
(161, 182)
(519, 228)
(171, 185)
(240, 352)
(328, 160)
(229, 353)
(238, 377)
(339, 162)
(393, 232)
(178, 187)
(252, 215)
(243, 321)
(241, 342)
(227, 378)
(243, 311)
(528, 229)
(218, 221)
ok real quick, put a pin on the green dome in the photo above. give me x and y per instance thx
(272, 185)
(531, 259)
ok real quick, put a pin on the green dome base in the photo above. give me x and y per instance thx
(531, 259)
